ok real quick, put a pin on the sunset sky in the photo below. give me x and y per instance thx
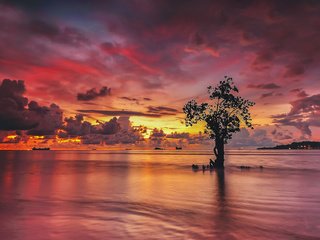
(85, 62)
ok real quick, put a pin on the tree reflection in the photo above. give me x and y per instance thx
(223, 218)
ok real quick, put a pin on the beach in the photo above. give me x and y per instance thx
(156, 195)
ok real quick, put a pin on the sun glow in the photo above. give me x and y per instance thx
(11, 137)
(69, 140)
(36, 137)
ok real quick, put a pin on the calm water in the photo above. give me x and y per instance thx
(156, 195)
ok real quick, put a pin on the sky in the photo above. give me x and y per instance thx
(99, 73)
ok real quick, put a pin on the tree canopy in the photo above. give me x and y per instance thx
(223, 115)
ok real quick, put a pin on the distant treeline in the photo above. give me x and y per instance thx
(295, 145)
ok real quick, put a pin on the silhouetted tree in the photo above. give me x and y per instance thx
(223, 115)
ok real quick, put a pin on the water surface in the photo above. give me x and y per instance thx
(156, 195)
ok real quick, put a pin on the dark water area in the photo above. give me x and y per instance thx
(155, 195)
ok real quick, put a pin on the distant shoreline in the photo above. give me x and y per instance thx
(305, 145)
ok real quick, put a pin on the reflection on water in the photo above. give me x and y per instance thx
(101, 195)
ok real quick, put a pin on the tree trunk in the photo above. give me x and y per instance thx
(219, 152)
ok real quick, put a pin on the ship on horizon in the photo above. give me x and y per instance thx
(40, 148)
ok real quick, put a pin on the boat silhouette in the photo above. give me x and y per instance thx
(40, 148)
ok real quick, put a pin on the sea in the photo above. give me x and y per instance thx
(156, 195)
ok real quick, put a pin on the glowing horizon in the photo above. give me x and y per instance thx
(142, 61)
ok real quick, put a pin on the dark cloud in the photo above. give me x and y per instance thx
(162, 110)
(136, 100)
(197, 39)
(44, 29)
(265, 95)
(130, 99)
(183, 135)
(264, 86)
(108, 128)
(49, 119)
(35, 107)
(121, 113)
(110, 48)
(144, 45)
(262, 61)
(157, 35)
(13, 90)
(199, 43)
(126, 134)
(157, 137)
(296, 90)
(92, 139)
(114, 131)
(254, 138)
(76, 126)
(202, 139)
(152, 83)
(294, 70)
(280, 134)
(260, 23)
(125, 137)
(66, 35)
(277, 44)
(124, 122)
(304, 113)
(93, 94)
(157, 133)
(13, 112)
(302, 94)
